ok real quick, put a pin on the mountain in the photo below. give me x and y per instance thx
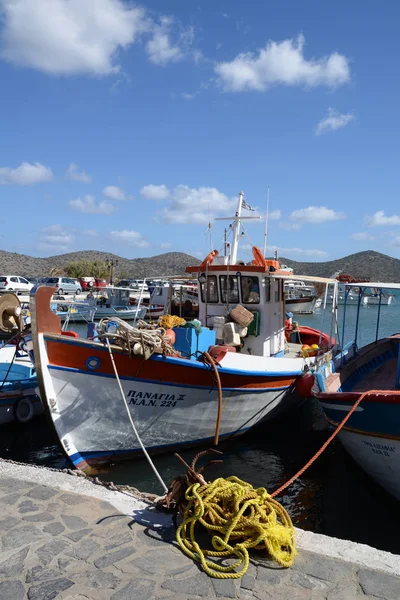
(171, 263)
(368, 264)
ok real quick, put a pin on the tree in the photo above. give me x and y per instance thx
(56, 272)
(85, 268)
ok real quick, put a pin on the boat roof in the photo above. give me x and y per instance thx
(310, 278)
(373, 284)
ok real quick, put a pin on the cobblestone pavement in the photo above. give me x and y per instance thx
(57, 544)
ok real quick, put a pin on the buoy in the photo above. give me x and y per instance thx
(304, 385)
(170, 333)
(314, 347)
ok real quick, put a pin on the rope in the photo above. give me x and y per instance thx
(238, 517)
(328, 441)
(170, 321)
(143, 340)
(152, 465)
(211, 361)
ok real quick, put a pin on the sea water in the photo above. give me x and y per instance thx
(334, 496)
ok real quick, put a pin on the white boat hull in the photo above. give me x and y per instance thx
(91, 420)
(378, 456)
(301, 305)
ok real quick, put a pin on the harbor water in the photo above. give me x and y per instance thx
(334, 496)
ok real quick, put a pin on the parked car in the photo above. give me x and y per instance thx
(100, 283)
(87, 283)
(142, 284)
(128, 283)
(14, 283)
(64, 285)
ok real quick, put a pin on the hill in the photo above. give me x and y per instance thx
(171, 263)
(368, 264)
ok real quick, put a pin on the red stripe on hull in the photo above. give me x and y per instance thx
(350, 397)
(75, 356)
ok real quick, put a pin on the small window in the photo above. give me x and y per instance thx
(233, 289)
(14, 279)
(211, 285)
(267, 285)
(22, 280)
(278, 289)
(250, 290)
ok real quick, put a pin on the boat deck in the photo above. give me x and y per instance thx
(381, 378)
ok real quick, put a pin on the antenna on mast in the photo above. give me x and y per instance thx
(266, 226)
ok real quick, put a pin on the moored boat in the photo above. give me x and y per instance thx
(173, 393)
(372, 433)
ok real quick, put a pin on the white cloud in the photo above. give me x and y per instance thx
(115, 193)
(75, 174)
(131, 237)
(155, 192)
(395, 242)
(159, 48)
(166, 245)
(281, 63)
(89, 232)
(25, 174)
(55, 237)
(88, 204)
(195, 205)
(333, 121)
(379, 218)
(295, 251)
(315, 214)
(289, 226)
(66, 37)
(362, 236)
(274, 215)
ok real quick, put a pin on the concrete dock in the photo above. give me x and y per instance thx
(64, 537)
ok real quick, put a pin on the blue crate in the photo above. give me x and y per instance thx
(188, 343)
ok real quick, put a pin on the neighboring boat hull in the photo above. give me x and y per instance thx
(100, 313)
(304, 305)
(378, 456)
(372, 433)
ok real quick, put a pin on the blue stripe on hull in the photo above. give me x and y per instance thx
(375, 417)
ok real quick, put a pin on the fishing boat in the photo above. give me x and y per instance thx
(111, 302)
(300, 298)
(175, 298)
(18, 382)
(218, 378)
(372, 433)
(350, 293)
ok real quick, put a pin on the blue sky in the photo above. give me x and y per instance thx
(126, 126)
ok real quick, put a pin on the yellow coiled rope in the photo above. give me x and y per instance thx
(170, 321)
(244, 517)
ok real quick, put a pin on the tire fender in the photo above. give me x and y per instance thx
(24, 410)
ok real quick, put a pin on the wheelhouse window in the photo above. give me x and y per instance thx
(278, 289)
(250, 290)
(229, 288)
(209, 289)
(267, 286)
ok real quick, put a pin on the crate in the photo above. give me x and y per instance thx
(188, 342)
(241, 315)
(254, 327)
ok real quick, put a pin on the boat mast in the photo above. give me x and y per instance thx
(266, 227)
(236, 230)
(233, 248)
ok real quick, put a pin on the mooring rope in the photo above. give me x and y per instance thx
(152, 465)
